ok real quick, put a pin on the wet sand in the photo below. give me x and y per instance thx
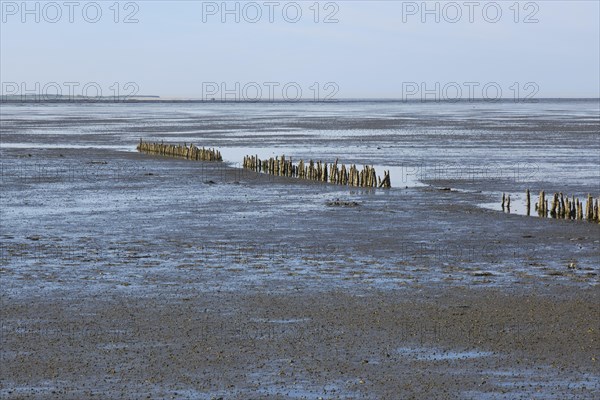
(452, 343)
(126, 275)
(181, 299)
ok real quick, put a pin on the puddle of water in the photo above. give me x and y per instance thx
(547, 384)
(435, 354)
(518, 205)
(401, 177)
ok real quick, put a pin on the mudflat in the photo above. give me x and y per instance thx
(127, 275)
(452, 343)
(152, 277)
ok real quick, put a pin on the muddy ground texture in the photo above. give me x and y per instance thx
(131, 276)
(126, 275)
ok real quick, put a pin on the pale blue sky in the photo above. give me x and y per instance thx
(373, 51)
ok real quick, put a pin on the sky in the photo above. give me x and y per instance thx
(314, 50)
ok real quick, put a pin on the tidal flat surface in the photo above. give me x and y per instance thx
(135, 276)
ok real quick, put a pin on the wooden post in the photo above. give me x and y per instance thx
(562, 206)
(554, 205)
(545, 204)
(385, 183)
(337, 173)
(373, 177)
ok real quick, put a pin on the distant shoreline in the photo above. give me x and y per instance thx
(158, 99)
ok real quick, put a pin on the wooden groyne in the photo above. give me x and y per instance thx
(561, 206)
(319, 171)
(190, 152)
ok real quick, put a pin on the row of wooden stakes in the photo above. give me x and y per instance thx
(190, 152)
(319, 171)
(561, 206)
